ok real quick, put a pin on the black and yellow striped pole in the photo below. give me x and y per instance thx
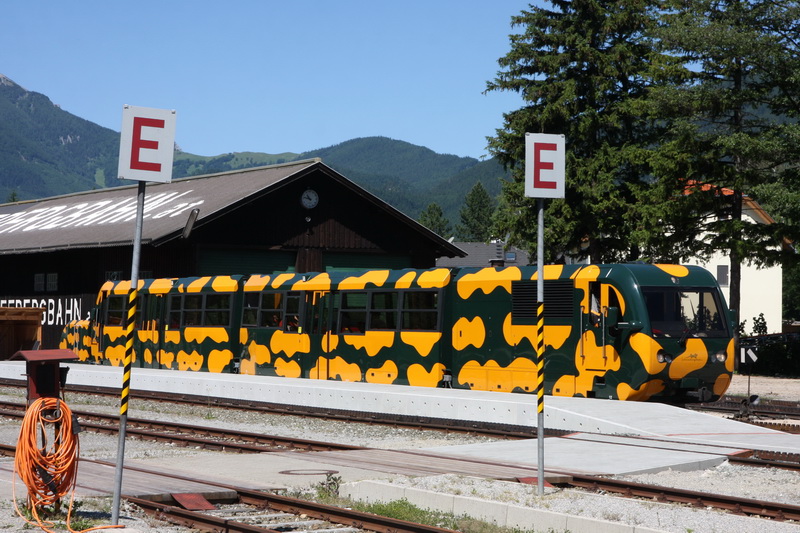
(130, 323)
(540, 348)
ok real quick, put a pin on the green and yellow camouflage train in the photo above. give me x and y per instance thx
(619, 331)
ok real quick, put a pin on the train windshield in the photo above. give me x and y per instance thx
(685, 312)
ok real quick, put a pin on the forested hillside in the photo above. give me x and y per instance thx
(46, 151)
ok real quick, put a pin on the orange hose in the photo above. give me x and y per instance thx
(46, 459)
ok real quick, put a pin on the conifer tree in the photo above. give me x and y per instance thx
(432, 217)
(476, 216)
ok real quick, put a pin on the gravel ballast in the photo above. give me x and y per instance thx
(756, 483)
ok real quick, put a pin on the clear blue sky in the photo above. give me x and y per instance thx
(272, 76)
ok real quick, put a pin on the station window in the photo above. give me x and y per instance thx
(45, 282)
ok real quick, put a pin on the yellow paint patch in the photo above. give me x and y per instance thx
(247, 367)
(419, 377)
(376, 277)
(468, 332)
(587, 273)
(434, 279)
(487, 280)
(521, 373)
(514, 334)
(198, 285)
(280, 279)
(161, 286)
(218, 359)
(730, 361)
(256, 283)
(643, 393)
(287, 369)
(320, 282)
(556, 336)
(339, 368)
(259, 354)
(148, 356)
(646, 348)
(115, 354)
(679, 271)
(289, 343)
(173, 336)
(721, 384)
(189, 361)
(564, 386)
(422, 341)
(224, 284)
(693, 358)
(385, 375)
(550, 272)
(166, 359)
(593, 363)
(405, 280)
(201, 334)
(330, 342)
(371, 341)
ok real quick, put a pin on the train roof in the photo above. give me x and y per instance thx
(637, 273)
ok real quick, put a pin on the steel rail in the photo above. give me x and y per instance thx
(734, 504)
(330, 513)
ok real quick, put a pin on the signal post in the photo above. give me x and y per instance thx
(544, 178)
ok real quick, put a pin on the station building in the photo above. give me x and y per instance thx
(298, 217)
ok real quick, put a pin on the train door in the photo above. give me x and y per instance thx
(598, 340)
(317, 320)
(149, 322)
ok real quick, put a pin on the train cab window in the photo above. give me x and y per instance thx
(192, 310)
(383, 310)
(685, 312)
(420, 310)
(353, 312)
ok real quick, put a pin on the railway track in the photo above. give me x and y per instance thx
(208, 438)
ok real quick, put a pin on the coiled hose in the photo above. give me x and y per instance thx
(46, 459)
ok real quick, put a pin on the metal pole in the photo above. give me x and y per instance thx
(126, 378)
(540, 346)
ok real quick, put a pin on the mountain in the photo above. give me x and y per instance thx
(46, 151)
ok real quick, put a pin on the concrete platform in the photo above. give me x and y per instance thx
(707, 439)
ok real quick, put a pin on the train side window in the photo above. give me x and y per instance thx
(217, 310)
(292, 315)
(252, 303)
(116, 307)
(383, 310)
(192, 310)
(420, 310)
(271, 310)
(353, 312)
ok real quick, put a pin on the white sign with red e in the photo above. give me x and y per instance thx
(147, 144)
(544, 165)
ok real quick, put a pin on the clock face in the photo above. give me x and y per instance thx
(309, 199)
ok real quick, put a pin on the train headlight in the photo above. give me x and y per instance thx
(721, 356)
(663, 357)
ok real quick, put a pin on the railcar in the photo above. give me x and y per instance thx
(617, 331)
